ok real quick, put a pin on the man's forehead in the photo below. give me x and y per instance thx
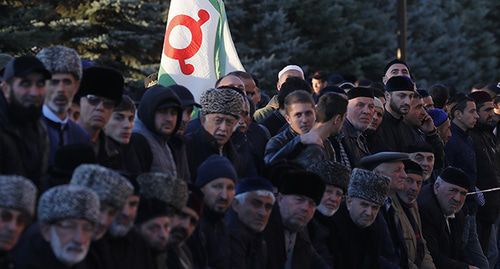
(361, 99)
(423, 153)
(398, 67)
(31, 76)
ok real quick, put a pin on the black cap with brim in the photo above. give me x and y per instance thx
(412, 167)
(186, 97)
(23, 66)
(456, 176)
(371, 161)
(303, 183)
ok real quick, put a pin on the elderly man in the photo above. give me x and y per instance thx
(372, 138)
(23, 137)
(220, 112)
(440, 205)
(216, 179)
(250, 213)
(287, 244)
(100, 91)
(66, 68)
(416, 248)
(360, 110)
(336, 177)
(67, 216)
(423, 154)
(17, 208)
(161, 197)
(355, 240)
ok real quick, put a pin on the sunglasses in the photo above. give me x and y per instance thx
(95, 101)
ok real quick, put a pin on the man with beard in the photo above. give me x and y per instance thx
(336, 177)
(67, 216)
(161, 197)
(440, 205)
(300, 115)
(354, 237)
(488, 170)
(24, 143)
(360, 110)
(182, 226)
(392, 131)
(66, 68)
(416, 248)
(250, 213)
(288, 245)
(216, 178)
(17, 208)
(100, 92)
(388, 223)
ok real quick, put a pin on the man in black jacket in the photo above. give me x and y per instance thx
(250, 213)
(24, 143)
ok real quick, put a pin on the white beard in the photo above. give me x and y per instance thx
(63, 254)
(325, 211)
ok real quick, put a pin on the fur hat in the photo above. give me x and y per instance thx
(68, 202)
(103, 82)
(17, 192)
(455, 176)
(163, 187)
(60, 59)
(222, 101)
(369, 186)
(214, 167)
(332, 173)
(304, 183)
(399, 83)
(112, 188)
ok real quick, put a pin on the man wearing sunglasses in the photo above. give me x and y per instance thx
(100, 91)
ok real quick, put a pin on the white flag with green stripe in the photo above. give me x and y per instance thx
(198, 48)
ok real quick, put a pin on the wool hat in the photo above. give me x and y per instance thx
(332, 173)
(480, 97)
(303, 183)
(61, 59)
(371, 161)
(253, 184)
(163, 187)
(378, 103)
(69, 157)
(23, 66)
(186, 97)
(4, 59)
(68, 202)
(438, 116)
(399, 83)
(290, 67)
(112, 188)
(412, 167)
(215, 167)
(423, 93)
(103, 82)
(393, 62)
(369, 186)
(360, 92)
(455, 176)
(17, 192)
(221, 101)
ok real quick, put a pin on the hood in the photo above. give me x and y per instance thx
(153, 98)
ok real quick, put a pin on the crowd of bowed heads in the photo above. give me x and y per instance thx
(330, 172)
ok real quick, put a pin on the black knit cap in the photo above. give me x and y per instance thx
(360, 92)
(304, 183)
(455, 176)
(399, 83)
(186, 97)
(256, 183)
(393, 62)
(103, 82)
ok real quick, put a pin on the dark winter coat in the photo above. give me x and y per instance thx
(320, 233)
(285, 145)
(275, 122)
(394, 134)
(354, 143)
(446, 248)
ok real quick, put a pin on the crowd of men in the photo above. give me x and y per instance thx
(329, 173)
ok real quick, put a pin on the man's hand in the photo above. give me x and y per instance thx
(473, 267)
(427, 125)
(312, 137)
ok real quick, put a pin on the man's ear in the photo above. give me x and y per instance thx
(5, 90)
(45, 231)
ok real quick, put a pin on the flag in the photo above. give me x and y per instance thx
(197, 48)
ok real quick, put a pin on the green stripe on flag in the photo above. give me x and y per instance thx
(165, 79)
(219, 49)
(216, 5)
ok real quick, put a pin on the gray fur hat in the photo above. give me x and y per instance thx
(163, 187)
(112, 188)
(61, 59)
(17, 192)
(222, 100)
(68, 202)
(369, 186)
(332, 173)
